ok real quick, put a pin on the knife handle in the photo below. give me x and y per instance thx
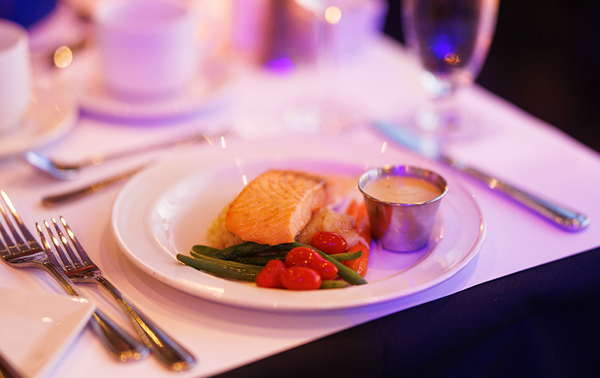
(565, 218)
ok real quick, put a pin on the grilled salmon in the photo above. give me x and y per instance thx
(273, 208)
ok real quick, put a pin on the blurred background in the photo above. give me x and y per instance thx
(545, 59)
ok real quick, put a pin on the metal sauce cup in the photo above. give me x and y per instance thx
(402, 227)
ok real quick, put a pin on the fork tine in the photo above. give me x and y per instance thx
(72, 256)
(82, 254)
(5, 249)
(26, 234)
(47, 247)
(12, 247)
(65, 263)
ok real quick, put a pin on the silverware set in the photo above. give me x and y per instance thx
(63, 256)
(70, 171)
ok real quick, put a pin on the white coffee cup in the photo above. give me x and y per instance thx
(148, 48)
(15, 75)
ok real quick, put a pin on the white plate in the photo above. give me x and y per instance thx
(209, 89)
(52, 114)
(168, 208)
(37, 328)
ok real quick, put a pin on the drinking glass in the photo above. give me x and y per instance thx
(323, 111)
(450, 39)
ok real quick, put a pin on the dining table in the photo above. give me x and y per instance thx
(521, 298)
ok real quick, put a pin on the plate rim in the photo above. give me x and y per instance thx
(58, 129)
(126, 112)
(188, 288)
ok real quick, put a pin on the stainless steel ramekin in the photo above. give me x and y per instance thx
(402, 227)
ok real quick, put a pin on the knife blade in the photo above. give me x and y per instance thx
(557, 214)
(98, 186)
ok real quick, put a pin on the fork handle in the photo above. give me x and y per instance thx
(119, 343)
(169, 352)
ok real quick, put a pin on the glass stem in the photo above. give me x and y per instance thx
(440, 115)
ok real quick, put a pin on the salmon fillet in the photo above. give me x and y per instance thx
(273, 208)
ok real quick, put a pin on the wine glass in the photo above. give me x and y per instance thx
(450, 38)
(323, 110)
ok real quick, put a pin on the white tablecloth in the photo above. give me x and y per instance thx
(513, 145)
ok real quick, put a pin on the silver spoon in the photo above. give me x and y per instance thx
(70, 171)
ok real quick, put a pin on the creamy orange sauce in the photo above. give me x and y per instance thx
(402, 189)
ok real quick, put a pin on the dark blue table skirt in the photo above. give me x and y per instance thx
(542, 322)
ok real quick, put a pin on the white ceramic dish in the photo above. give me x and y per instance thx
(52, 114)
(168, 208)
(37, 328)
(210, 88)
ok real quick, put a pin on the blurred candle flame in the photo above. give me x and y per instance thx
(452, 59)
(333, 14)
(63, 56)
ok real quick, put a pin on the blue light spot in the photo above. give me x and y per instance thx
(442, 46)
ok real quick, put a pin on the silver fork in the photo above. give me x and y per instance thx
(79, 267)
(28, 253)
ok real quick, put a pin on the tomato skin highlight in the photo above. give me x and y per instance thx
(300, 278)
(329, 242)
(270, 275)
(304, 256)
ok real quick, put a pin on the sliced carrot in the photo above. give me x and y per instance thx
(353, 209)
(360, 264)
(359, 213)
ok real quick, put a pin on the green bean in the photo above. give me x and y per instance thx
(347, 256)
(344, 272)
(205, 250)
(221, 268)
(251, 248)
(330, 284)
(260, 260)
(263, 260)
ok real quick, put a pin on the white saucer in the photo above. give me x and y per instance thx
(52, 114)
(37, 328)
(207, 90)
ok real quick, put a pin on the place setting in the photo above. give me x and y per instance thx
(67, 261)
(224, 246)
(170, 211)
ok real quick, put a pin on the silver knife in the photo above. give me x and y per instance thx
(559, 215)
(73, 195)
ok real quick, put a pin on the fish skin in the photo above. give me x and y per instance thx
(273, 208)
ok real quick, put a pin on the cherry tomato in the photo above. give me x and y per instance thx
(300, 278)
(308, 257)
(270, 275)
(329, 242)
